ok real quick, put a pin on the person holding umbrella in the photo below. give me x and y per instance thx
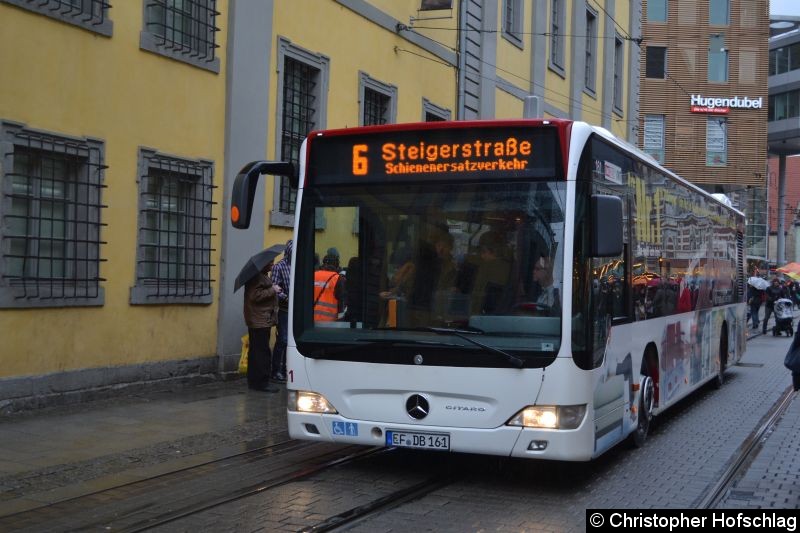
(754, 297)
(260, 315)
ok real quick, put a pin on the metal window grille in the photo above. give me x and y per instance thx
(589, 67)
(94, 12)
(618, 59)
(185, 26)
(298, 119)
(51, 238)
(555, 44)
(511, 22)
(376, 107)
(175, 228)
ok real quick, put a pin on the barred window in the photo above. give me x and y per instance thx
(51, 213)
(590, 66)
(378, 101)
(299, 110)
(512, 21)
(434, 113)
(376, 108)
(90, 15)
(302, 92)
(619, 59)
(182, 29)
(174, 243)
(557, 37)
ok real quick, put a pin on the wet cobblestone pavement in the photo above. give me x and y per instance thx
(109, 452)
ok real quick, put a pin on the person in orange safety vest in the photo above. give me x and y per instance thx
(328, 290)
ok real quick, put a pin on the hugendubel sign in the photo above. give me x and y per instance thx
(722, 106)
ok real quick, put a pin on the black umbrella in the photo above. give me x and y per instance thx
(256, 264)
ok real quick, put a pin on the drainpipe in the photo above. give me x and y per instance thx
(781, 209)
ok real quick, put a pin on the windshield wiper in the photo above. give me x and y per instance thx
(370, 343)
(515, 361)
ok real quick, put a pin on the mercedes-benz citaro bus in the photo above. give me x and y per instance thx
(524, 288)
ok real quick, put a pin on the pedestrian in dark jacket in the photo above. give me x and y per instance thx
(754, 297)
(774, 293)
(260, 314)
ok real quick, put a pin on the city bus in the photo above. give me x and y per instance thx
(523, 288)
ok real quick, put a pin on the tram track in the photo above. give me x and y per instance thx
(160, 499)
(385, 503)
(245, 492)
(746, 452)
(257, 451)
(340, 521)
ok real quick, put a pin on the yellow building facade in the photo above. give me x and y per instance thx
(112, 144)
(123, 126)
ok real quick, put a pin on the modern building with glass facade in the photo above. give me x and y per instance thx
(704, 98)
(784, 139)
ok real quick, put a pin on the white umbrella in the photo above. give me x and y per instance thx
(758, 283)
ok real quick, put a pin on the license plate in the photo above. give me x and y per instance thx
(427, 441)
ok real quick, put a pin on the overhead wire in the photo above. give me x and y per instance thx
(637, 40)
(561, 98)
(554, 94)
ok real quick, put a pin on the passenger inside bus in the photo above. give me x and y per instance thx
(548, 299)
(490, 291)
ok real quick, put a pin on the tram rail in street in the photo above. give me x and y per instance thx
(249, 491)
(147, 489)
(746, 451)
(385, 503)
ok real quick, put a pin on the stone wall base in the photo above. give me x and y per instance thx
(77, 386)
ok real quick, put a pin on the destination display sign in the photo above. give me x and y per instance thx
(456, 154)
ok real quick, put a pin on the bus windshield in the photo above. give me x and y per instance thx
(382, 270)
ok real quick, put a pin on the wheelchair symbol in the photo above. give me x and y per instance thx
(344, 429)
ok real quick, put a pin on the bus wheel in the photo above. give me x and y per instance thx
(646, 403)
(723, 359)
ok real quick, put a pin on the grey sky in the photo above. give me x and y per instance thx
(784, 7)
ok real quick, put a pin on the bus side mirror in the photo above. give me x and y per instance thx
(244, 187)
(606, 226)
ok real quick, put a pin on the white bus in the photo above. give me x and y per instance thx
(525, 288)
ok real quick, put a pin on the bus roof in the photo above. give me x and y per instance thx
(564, 127)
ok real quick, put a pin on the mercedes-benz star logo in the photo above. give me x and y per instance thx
(417, 407)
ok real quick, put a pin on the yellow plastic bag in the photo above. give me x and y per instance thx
(243, 358)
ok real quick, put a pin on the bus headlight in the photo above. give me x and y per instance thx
(549, 416)
(309, 402)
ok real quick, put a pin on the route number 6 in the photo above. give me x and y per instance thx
(360, 162)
